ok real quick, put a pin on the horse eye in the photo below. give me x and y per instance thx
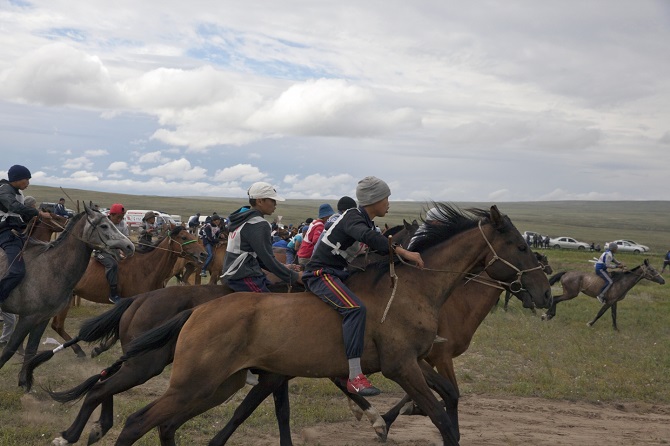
(523, 247)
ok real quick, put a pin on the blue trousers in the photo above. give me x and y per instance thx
(210, 255)
(16, 268)
(329, 287)
(258, 284)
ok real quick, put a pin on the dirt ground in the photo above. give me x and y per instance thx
(519, 421)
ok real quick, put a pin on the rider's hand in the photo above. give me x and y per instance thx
(45, 215)
(410, 256)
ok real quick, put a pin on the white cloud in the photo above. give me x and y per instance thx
(153, 157)
(118, 166)
(239, 172)
(180, 169)
(78, 163)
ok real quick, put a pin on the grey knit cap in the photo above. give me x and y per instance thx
(371, 190)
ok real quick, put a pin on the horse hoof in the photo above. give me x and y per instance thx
(96, 434)
(382, 433)
(60, 441)
(95, 352)
(545, 317)
(589, 324)
(407, 409)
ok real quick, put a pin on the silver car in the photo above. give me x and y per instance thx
(629, 246)
(567, 243)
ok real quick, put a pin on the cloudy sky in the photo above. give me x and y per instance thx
(446, 100)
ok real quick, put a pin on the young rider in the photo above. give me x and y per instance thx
(325, 273)
(116, 214)
(14, 216)
(605, 261)
(210, 238)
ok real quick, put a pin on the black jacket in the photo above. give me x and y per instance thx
(9, 203)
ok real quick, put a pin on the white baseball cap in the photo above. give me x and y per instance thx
(263, 190)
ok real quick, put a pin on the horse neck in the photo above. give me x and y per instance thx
(477, 299)
(158, 263)
(628, 281)
(67, 257)
(459, 255)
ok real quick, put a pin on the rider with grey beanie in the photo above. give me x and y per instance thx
(325, 273)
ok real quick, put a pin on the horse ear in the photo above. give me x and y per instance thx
(497, 218)
(646, 262)
(406, 224)
(86, 208)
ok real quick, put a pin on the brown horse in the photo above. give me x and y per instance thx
(129, 319)
(547, 270)
(43, 228)
(574, 282)
(145, 271)
(251, 330)
(188, 272)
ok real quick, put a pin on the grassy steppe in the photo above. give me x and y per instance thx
(512, 354)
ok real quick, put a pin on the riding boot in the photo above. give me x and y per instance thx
(114, 295)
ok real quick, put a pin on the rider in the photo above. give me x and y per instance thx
(325, 273)
(605, 261)
(59, 208)
(250, 244)
(116, 214)
(666, 261)
(209, 240)
(14, 216)
(147, 231)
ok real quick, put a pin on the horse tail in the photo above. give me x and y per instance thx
(556, 277)
(157, 337)
(105, 326)
(43, 357)
(76, 392)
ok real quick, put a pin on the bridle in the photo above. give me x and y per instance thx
(515, 286)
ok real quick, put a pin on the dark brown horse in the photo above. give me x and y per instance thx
(145, 271)
(574, 282)
(251, 330)
(547, 270)
(188, 272)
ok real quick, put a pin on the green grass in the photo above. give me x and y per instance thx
(513, 354)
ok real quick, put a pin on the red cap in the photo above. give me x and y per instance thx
(117, 208)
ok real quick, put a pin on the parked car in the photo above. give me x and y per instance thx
(629, 246)
(49, 207)
(568, 243)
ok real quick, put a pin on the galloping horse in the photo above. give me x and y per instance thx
(547, 270)
(296, 335)
(52, 271)
(145, 271)
(574, 282)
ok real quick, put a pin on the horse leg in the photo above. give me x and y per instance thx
(58, 325)
(21, 330)
(104, 346)
(227, 389)
(178, 405)
(508, 296)
(600, 313)
(551, 312)
(614, 317)
(31, 349)
(359, 404)
(268, 383)
(410, 377)
(132, 373)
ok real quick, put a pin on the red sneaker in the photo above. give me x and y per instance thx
(361, 386)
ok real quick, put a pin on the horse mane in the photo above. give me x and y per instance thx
(450, 221)
(393, 230)
(617, 274)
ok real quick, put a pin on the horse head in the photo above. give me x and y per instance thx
(100, 233)
(188, 245)
(511, 260)
(650, 273)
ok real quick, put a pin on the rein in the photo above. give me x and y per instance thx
(181, 251)
(515, 286)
